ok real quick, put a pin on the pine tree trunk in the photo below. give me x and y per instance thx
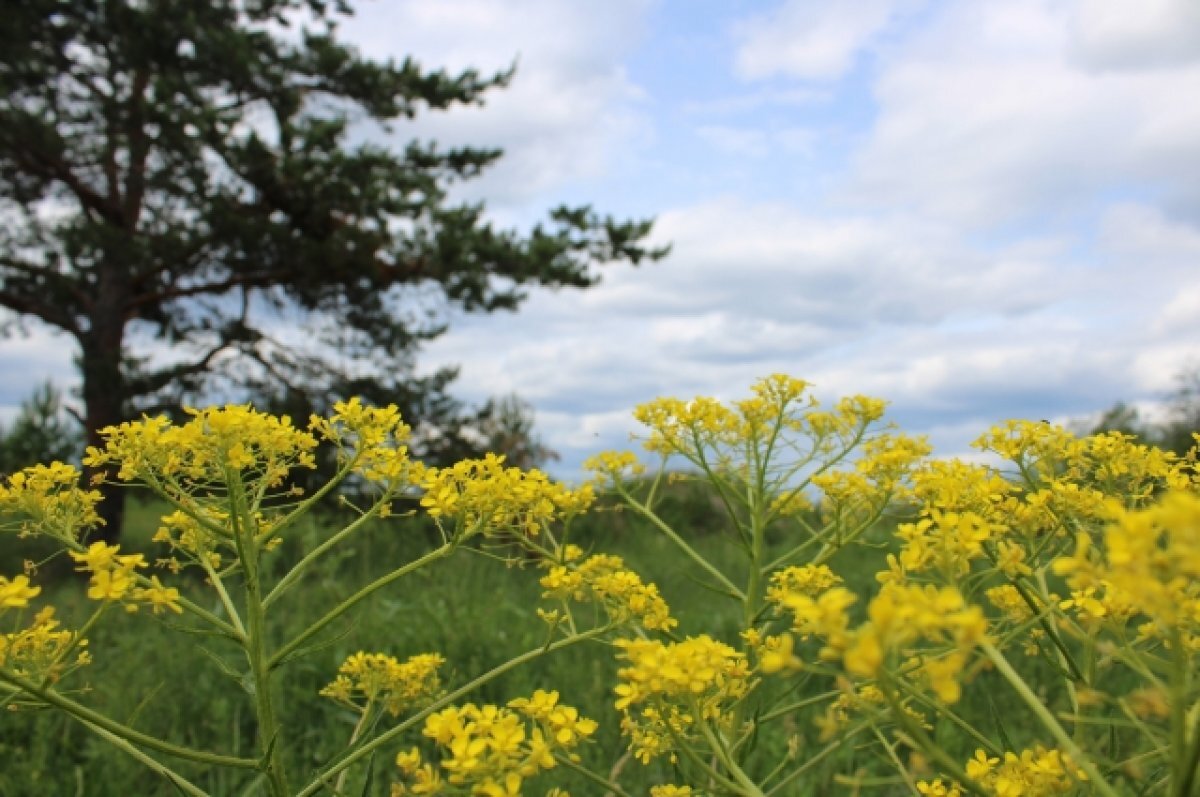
(104, 405)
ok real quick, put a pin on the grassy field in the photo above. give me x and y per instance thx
(473, 609)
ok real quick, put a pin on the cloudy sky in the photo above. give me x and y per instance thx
(975, 209)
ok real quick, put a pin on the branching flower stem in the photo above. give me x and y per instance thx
(322, 778)
(86, 715)
(1095, 780)
(282, 654)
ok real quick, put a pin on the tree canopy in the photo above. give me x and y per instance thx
(185, 192)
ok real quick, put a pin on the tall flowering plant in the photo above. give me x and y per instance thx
(1063, 571)
(224, 474)
(1068, 560)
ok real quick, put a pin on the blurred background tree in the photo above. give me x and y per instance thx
(195, 194)
(43, 431)
(1173, 432)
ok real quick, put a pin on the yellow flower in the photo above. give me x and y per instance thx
(159, 597)
(15, 594)
(981, 765)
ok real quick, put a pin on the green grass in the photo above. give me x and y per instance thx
(471, 608)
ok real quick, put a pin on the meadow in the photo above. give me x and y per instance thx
(476, 610)
(814, 606)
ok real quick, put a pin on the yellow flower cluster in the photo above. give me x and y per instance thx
(947, 542)
(671, 791)
(1036, 772)
(706, 431)
(39, 652)
(614, 466)
(688, 427)
(15, 593)
(842, 427)
(375, 678)
(1149, 565)
(114, 578)
(900, 616)
(189, 537)
(604, 579)
(810, 580)
(490, 751)
(698, 671)
(50, 499)
(824, 615)
(483, 494)
(1110, 463)
(677, 684)
(879, 476)
(374, 439)
(866, 700)
(205, 450)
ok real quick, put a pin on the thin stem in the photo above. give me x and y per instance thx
(833, 747)
(919, 737)
(80, 635)
(256, 637)
(215, 579)
(747, 786)
(1179, 691)
(322, 778)
(358, 729)
(84, 714)
(290, 578)
(177, 780)
(203, 614)
(691, 553)
(1096, 781)
(896, 762)
(362, 594)
(592, 776)
(805, 703)
(308, 503)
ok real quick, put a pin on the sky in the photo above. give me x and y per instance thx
(977, 210)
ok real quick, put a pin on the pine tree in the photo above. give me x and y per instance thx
(184, 194)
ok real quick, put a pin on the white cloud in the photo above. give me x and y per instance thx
(984, 117)
(31, 358)
(1146, 34)
(570, 110)
(810, 39)
(749, 142)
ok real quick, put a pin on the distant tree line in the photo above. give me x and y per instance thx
(1173, 431)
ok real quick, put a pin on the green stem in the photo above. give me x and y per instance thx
(80, 635)
(920, 738)
(178, 781)
(890, 749)
(215, 579)
(256, 638)
(1191, 760)
(308, 503)
(690, 552)
(203, 614)
(1179, 692)
(1096, 781)
(84, 714)
(290, 578)
(600, 780)
(805, 703)
(748, 787)
(1048, 628)
(966, 727)
(833, 747)
(323, 777)
(358, 729)
(362, 594)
